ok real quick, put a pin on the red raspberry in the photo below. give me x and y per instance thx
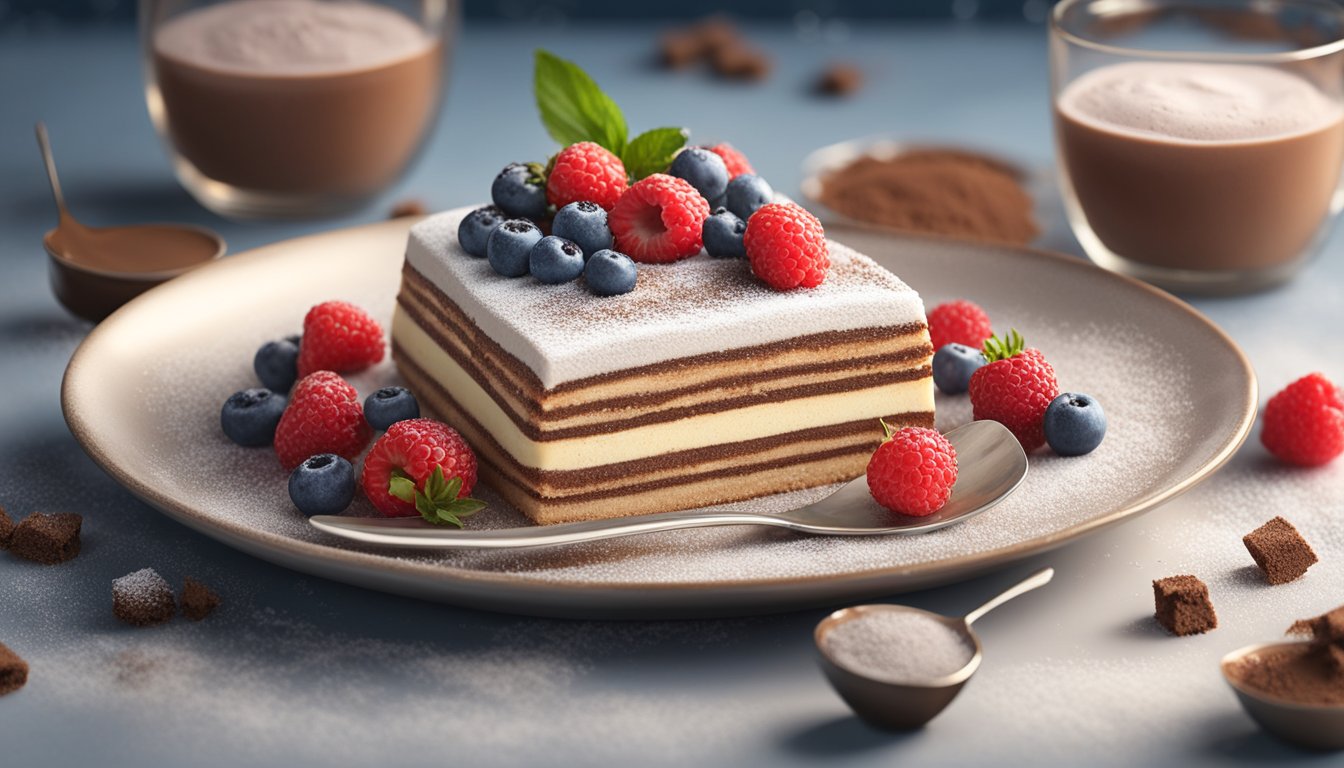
(585, 171)
(787, 247)
(912, 471)
(736, 161)
(1304, 423)
(959, 322)
(659, 219)
(324, 415)
(340, 337)
(414, 449)
(1014, 389)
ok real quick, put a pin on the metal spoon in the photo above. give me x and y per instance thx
(990, 461)
(905, 706)
(1315, 726)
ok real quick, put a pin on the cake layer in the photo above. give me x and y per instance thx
(825, 363)
(775, 416)
(699, 306)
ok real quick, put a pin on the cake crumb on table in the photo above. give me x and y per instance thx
(1280, 551)
(1183, 605)
(143, 598)
(198, 600)
(13, 671)
(47, 539)
(840, 79)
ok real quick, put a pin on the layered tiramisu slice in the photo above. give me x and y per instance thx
(702, 386)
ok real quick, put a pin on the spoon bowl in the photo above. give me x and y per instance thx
(906, 705)
(990, 461)
(1315, 726)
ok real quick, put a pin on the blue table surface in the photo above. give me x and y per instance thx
(295, 670)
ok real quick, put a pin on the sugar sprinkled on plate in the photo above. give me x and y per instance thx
(897, 646)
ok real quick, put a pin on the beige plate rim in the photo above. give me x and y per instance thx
(524, 594)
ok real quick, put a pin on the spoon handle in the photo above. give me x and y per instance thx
(44, 143)
(1037, 579)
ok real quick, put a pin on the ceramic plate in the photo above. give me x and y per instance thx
(142, 394)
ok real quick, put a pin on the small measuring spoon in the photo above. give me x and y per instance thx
(94, 270)
(906, 706)
(1315, 726)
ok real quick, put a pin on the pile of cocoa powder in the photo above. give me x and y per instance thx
(935, 191)
(1305, 673)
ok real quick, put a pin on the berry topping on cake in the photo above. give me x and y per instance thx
(735, 161)
(1074, 424)
(510, 246)
(339, 336)
(703, 169)
(586, 171)
(959, 322)
(912, 472)
(659, 220)
(520, 190)
(1304, 423)
(423, 467)
(787, 247)
(584, 223)
(324, 416)
(249, 418)
(555, 260)
(1014, 388)
(610, 273)
(746, 194)
(723, 235)
(277, 364)
(322, 485)
(389, 405)
(474, 231)
(953, 366)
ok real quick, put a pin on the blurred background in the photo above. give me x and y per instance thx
(36, 15)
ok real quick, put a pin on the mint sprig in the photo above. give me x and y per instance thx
(439, 503)
(573, 108)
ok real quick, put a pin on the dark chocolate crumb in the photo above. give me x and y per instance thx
(143, 598)
(6, 528)
(740, 61)
(840, 80)
(1280, 551)
(1183, 606)
(406, 208)
(47, 539)
(198, 600)
(13, 671)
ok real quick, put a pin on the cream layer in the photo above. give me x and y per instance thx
(704, 430)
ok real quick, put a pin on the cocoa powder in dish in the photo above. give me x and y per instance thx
(935, 191)
(1310, 672)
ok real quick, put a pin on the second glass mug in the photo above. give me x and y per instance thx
(277, 109)
(1200, 143)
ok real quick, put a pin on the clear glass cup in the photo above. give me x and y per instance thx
(293, 108)
(1199, 142)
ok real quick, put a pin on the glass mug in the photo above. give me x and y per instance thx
(293, 108)
(1199, 143)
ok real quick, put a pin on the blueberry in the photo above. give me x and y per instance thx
(518, 191)
(703, 169)
(586, 224)
(389, 405)
(475, 229)
(748, 192)
(555, 260)
(322, 485)
(250, 417)
(277, 364)
(610, 273)
(722, 233)
(1074, 424)
(509, 246)
(953, 365)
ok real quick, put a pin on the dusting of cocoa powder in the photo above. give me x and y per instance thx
(935, 191)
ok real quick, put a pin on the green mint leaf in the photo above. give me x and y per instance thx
(651, 151)
(573, 108)
(402, 487)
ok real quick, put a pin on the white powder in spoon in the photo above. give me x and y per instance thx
(907, 647)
